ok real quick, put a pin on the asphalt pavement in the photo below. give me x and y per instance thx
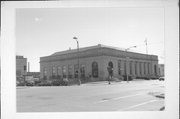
(138, 95)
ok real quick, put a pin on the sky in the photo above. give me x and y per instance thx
(44, 31)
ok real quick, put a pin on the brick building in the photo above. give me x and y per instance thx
(21, 66)
(94, 60)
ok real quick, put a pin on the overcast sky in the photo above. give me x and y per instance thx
(41, 32)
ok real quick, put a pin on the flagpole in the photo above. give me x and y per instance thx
(146, 47)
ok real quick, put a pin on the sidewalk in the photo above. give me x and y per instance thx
(116, 82)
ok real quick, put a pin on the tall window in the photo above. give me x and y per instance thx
(119, 67)
(148, 68)
(125, 67)
(53, 70)
(140, 68)
(82, 70)
(24, 67)
(95, 69)
(70, 69)
(76, 70)
(110, 64)
(45, 73)
(64, 71)
(155, 69)
(130, 63)
(144, 67)
(59, 72)
(136, 68)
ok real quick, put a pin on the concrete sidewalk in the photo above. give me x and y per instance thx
(117, 82)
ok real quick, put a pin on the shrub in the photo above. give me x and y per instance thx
(56, 83)
(44, 83)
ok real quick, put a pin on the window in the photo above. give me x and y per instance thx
(70, 68)
(64, 71)
(53, 70)
(76, 70)
(155, 69)
(148, 68)
(125, 67)
(95, 69)
(45, 73)
(140, 68)
(110, 64)
(119, 67)
(24, 67)
(82, 70)
(59, 70)
(136, 68)
(144, 67)
(130, 63)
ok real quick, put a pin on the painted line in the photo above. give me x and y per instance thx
(128, 96)
(134, 106)
(119, 98)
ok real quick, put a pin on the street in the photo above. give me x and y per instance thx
(138, 95)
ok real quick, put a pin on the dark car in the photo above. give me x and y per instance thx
(29, 84)
(161, 79)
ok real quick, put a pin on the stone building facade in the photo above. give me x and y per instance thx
(94, 60)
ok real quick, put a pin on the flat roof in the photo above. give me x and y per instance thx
(85, 49)
(95, 51)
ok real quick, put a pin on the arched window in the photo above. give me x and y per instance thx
(95, 69)
(110, 64)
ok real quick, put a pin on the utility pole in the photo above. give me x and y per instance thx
(147, 55)
(78, 58)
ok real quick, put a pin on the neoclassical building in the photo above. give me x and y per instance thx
(93, 62)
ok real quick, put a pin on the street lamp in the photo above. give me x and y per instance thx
(78, 58)
(127, 61)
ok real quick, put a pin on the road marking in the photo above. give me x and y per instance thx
(128, 96)
(134, 106)
(119, 98)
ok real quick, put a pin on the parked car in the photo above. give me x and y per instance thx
(161, 79)
(29, 84)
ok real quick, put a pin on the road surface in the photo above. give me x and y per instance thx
(96, 96)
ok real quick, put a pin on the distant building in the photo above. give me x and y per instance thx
(21, 66)
(32, 76)
(161, 70)
(94, 60)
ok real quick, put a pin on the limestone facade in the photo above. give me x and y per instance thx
(94, 60)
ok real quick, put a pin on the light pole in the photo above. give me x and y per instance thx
(78, 58)
(127, 62)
